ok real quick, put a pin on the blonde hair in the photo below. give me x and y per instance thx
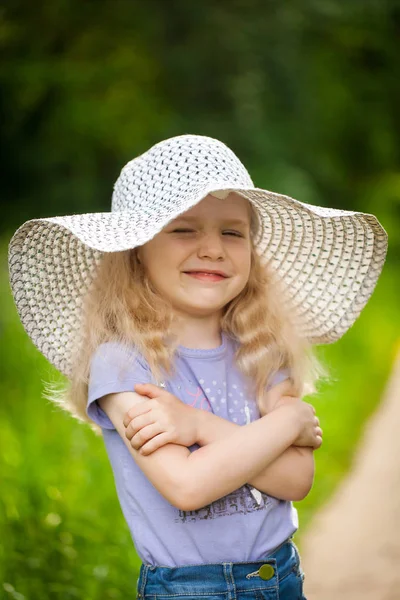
(123, 306)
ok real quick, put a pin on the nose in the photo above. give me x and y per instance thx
(211, 247)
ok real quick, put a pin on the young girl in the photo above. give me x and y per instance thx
(184, 320)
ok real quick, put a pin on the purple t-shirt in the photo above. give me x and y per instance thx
(245, 525)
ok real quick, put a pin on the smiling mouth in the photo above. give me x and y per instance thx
(205, 276)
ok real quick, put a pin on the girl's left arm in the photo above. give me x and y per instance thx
(288, 477)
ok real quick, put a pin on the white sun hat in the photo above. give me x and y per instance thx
(328, 260)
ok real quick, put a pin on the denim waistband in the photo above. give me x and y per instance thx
(219, 578)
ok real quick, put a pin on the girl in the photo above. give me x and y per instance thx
(184, 320)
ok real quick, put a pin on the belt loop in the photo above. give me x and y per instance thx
(296, 550)
(230, 582)
(142, 580)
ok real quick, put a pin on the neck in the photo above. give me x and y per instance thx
(202, 333)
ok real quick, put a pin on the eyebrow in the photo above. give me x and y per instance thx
(227, 220)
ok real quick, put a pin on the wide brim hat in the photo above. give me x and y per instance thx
(328, 260)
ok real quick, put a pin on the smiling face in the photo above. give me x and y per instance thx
(215, 235)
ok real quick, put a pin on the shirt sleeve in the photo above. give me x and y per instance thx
(279, 376)
(113, 369)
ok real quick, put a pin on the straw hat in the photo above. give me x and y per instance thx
(328, 260)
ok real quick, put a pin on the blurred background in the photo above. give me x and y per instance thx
(306, 93)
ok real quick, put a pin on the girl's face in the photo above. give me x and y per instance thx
(213, 235)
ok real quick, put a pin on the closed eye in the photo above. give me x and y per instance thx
(234, 233)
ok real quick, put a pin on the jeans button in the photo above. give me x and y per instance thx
(266, 572)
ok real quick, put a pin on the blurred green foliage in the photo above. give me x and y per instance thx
(306, 93)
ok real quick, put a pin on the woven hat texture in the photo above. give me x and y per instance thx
(329, 260)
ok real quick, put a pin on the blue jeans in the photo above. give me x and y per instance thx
(281, 578)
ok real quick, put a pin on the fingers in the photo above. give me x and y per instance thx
(156, 442)
(310, 406)
(149, 389)
(316, 420)
(312, 438)
(136, 410)
(144, 435)
(317, 437)
(318, 442)
(137, 423)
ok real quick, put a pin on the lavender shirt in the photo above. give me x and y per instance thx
(245, 525)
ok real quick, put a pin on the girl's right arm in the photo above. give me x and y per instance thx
(190, 481)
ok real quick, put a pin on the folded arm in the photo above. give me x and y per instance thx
(289, 477)
(192, 480)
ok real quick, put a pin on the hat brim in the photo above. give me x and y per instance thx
(329, 261)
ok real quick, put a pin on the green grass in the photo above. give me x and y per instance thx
(62, 533)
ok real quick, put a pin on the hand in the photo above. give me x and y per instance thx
(163, 419)
(310, 433)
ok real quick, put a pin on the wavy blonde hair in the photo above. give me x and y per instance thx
(123, 306)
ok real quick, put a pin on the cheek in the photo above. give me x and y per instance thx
(163, 262)
(244, 261)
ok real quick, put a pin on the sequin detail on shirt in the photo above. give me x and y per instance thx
(240, 501)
